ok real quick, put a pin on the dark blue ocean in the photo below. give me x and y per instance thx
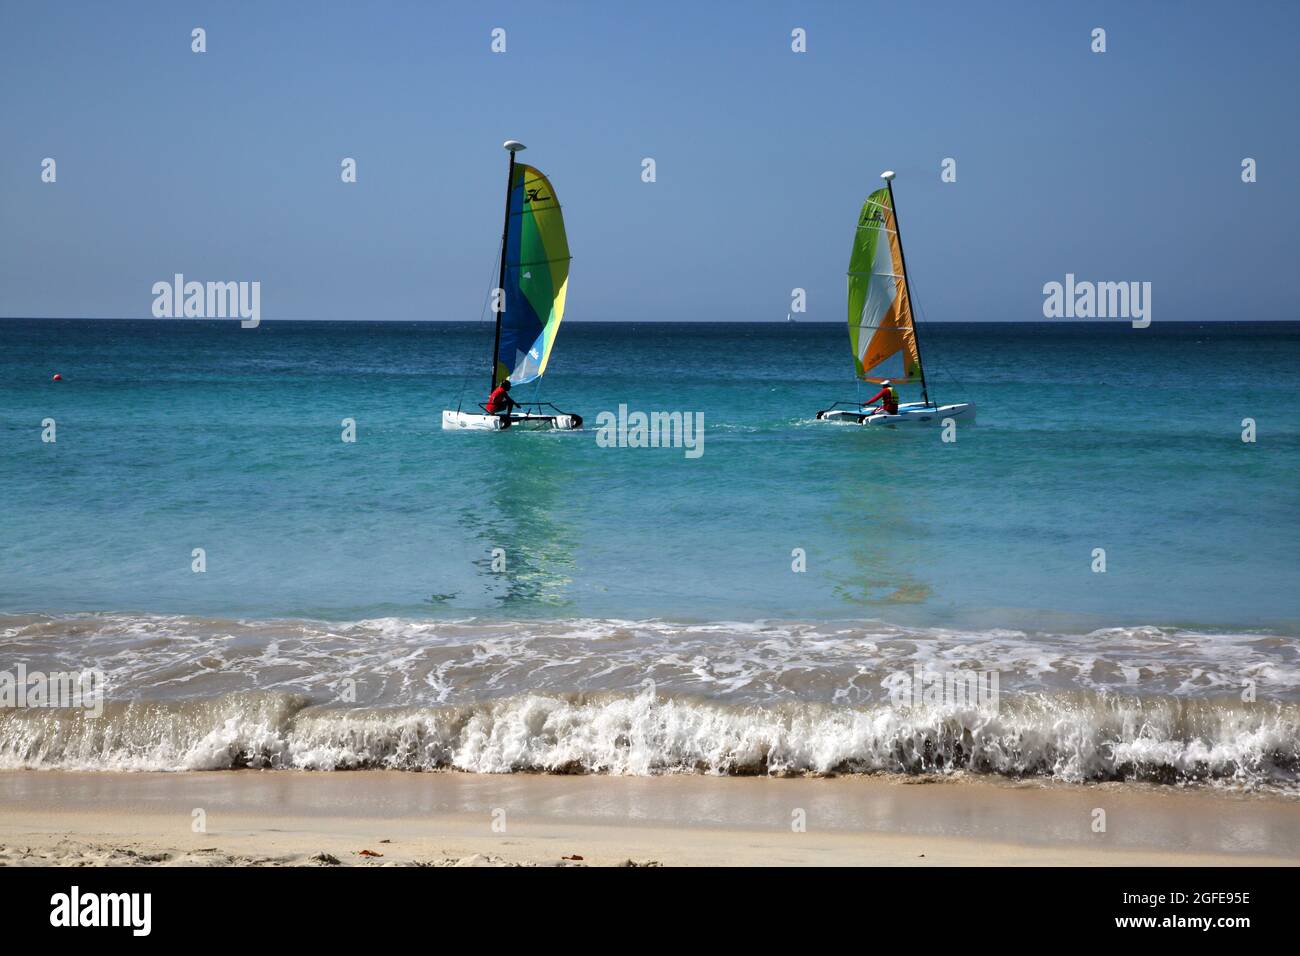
(622, 565)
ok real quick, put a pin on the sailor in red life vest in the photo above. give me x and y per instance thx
(500, 402)
(890, 396)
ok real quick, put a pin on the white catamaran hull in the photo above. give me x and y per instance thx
(910, 414)
(495, 423)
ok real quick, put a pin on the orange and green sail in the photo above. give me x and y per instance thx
(535, 277)
(881, 328)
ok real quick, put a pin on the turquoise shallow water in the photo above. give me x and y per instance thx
(188, 434)
(648, 619)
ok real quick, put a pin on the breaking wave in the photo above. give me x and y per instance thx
(1074, 737)
(590, 695)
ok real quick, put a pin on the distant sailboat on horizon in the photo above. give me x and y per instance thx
(534, 280)
(882, 328)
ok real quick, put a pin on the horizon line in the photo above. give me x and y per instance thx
(836, 322)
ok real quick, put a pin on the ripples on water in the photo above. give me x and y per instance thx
(633, 566)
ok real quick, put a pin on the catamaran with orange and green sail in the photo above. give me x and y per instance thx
(528, 302)
(882, 328)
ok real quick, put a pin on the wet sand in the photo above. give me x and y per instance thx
(302, 818)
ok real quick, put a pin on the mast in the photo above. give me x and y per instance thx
(888, 177)
(513, 146)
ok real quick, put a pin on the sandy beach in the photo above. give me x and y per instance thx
(377, 818)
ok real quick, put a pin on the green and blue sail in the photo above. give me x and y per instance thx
(536, 277)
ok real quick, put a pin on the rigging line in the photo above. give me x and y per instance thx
(920, 313)
(487, 299)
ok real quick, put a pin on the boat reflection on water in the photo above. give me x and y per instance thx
(525, 519)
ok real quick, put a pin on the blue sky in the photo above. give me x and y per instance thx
(225, 165)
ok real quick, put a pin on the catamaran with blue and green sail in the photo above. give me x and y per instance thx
(882, 329)
(529, 301)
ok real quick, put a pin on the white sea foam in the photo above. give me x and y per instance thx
(650, 696)
(403, 662)
(1078, 737)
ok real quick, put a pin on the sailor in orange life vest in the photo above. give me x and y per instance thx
(500, 402)
(890, 396)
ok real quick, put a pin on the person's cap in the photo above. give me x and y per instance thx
(885, 382)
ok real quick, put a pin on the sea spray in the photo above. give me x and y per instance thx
(1074, 738)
